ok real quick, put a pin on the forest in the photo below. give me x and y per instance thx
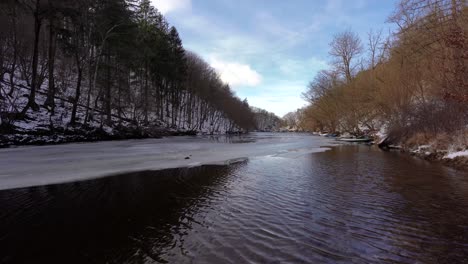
(411, 87)
(107, 66)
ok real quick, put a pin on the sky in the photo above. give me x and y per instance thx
(269, 50)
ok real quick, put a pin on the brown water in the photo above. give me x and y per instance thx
(353, 204)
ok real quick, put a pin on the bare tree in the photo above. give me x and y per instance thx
(322, 85)
(37, 9)
(345, 47)
(374, 43)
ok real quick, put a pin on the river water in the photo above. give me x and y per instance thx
(352, 204)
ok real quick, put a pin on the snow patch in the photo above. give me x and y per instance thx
(454, 155)
(423, 149)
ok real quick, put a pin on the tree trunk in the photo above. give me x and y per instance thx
(188, 112)
(166, 99)
(77, 91)
(146, 92)
(2, 70)
(37, 30)
(91, 85)
(15, 55)
(50, 101)
(159, 99)
(13, 67)
(108, 92)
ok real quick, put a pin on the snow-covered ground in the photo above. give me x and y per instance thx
(36, 166)
(216, 123)
(457, 154)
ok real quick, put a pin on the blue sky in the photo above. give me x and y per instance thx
(268, 50)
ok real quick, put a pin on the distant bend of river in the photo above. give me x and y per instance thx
(353, 204)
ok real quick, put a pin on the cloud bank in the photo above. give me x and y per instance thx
(236, 74)
(167, 6)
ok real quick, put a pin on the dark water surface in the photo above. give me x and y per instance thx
(353, 204)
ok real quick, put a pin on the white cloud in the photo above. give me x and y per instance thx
(236, 74)
(167, 6)
(278, 104)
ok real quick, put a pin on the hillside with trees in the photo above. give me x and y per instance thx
(411, 88)
(266, 121)
(105, 69)
(294, 121)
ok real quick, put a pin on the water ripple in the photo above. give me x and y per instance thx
(348, 205)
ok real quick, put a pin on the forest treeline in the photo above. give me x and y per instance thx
(413, 85)
(266, 121)
(84, 62)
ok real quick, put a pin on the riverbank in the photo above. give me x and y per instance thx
(450, 150)
(83, 134)
(457, 160)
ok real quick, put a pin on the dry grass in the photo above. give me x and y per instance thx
(417, 139)
(441, 141)
(459, 141)
(452, 142)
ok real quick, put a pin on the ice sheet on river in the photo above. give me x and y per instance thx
(35, 166)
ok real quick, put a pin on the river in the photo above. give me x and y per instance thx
(350, 204)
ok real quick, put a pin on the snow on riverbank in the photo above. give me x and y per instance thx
(454, 155)
(42, 127)
(36, 166)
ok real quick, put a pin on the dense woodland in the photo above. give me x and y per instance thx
(117, 63)
(107, 63)
(412, 85)
(266, 121)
